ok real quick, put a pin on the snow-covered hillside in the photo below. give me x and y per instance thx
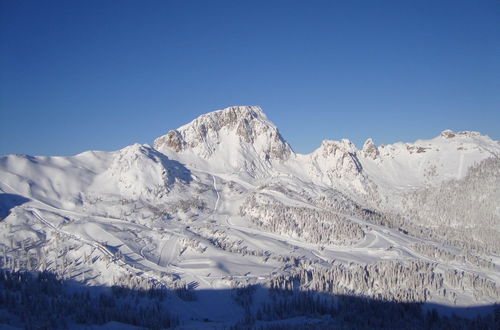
(233, 224)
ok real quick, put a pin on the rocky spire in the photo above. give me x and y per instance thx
(370, 150)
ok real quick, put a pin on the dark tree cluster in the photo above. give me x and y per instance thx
(43, 301)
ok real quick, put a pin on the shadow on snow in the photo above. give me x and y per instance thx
(39, 300)
(8, 202)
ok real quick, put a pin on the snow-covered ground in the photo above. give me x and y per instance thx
(224, 202)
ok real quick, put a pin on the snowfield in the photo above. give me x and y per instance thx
(224, 214)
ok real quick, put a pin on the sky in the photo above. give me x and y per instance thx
(101, 75)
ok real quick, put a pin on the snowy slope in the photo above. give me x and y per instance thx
(223, 202)
(63, 181)
(427, 162)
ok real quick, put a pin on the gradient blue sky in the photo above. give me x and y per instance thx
(80, 75)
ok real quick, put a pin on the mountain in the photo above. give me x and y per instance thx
(137, 171)
(236, 139)
(222, 221)
(425, 162)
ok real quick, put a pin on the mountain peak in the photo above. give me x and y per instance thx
(332, 148)
(228, 117)
(238, 134)
(370, 150)
(248, 123)
(336, 160)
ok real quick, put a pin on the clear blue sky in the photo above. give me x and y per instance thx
(80, 75)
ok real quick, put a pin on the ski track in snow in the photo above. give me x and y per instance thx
(218, 195)
(128, 267)
(168, 251)
(94, 244)
(460, 166)
(377, 241)
(170, 247)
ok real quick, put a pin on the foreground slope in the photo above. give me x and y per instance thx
(223, 203)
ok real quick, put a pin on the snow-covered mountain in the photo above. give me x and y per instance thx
(243, 141)
(427, 162)
(234, 140)
(223, 205)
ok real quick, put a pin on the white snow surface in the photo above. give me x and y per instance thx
(173, 210)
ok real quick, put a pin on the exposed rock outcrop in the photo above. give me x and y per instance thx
(370, 150)
(337, 159)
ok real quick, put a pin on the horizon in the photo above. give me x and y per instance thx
(89, 75)
(359, 147)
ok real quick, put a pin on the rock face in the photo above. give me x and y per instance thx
(240, 137)
(173, 140)
(448, 134)
(370, 150)
(337, 160)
